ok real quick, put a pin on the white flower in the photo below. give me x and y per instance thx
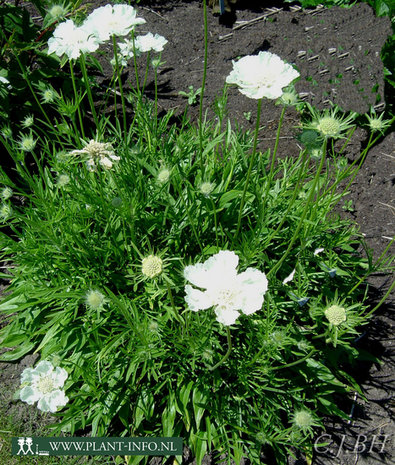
(225, 290)
(150, 42)
(42, 384)
(72, 40)
(110, 20)
(290, 277)
(262, 75)
(98, 152)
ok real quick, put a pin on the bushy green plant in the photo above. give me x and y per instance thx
(107, 232)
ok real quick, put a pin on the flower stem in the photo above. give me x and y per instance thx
(297, 362)
(135, 63)
(252, 160)
(146, 71)
(203, 85)
(305, 211)
(226, 356)
(120, 83)
(270, 177)
(76, 99)
(88, 91)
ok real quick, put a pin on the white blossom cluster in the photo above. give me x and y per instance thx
(100, 26)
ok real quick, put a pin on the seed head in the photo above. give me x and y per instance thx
(206, 188)
(57, 12)
(27, 143)
(6, 193)
(116, 202)
(63, 180)
(151, 266)
(94, 299)
(6, 132)
(377, 123)
(28, 121)
(303, 419)
(163, 176)
(329, 126)
(5, 212)
(336, 315)
(48, 95)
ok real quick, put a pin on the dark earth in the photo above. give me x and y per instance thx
(337, 52)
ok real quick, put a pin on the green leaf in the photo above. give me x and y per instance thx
(17, 353)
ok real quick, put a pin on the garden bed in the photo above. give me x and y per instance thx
(339, 62)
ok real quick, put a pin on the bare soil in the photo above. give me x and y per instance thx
(337, 52)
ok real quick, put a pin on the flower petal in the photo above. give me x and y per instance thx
(59, 376)
(44, 367)
(29, 395)
(29, 375)
(290, 277)
(197, 300)
(226, 316)
(254, 285)
(52, 401)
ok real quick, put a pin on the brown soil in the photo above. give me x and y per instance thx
(337, 52)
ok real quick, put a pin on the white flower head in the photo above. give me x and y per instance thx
(318, 251)
(71, 40)
(112, 20)
(98, 152)
(150, 42)
(43, 385)
(224, 289)
(262, 75)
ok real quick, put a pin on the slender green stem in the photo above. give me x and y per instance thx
(296, 192)
(189, 216)
(226, 356)
(270, 177)
(156, 96)
(297, 362)
(215, 222)
(146, 71)
(203, 86)
(305, 211)
(135, 64)
(173, 305)
(89, 92)
(27, 80)
(252, 161)
(114, 43)
(76, 99)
